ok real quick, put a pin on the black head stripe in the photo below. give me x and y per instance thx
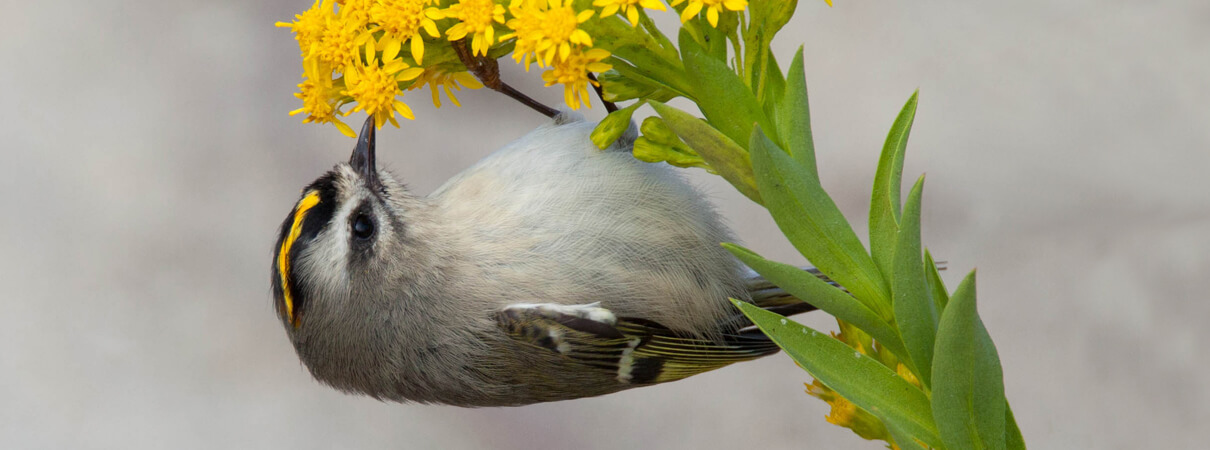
(315, 220)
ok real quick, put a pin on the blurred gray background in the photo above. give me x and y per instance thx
(148, 160)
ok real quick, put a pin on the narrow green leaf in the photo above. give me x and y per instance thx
(716, 44)
(720, 152)
(665, 79)
(728, 104)
(766, 17)
(794, 117)
(968, 384)
(771, 89)
(618, 88)
(860, 379)
(610, 128)
(819, 293)
(1012, 434)
(884, 201)
(936, 287)
(913, 303)
(667, 48)
(902, 438)
(813, 223)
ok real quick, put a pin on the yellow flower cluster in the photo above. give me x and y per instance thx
(353, 51)
(548, 32)
(352, 54)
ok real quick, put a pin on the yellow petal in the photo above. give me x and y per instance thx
(344, 128)
(581, 37)
(654, 4)
(583, 16)
(410, 74)
(404, 110)
(597, 53)
(430, 27)
(468, 80)
(436, 96)
(584, 97)
(569, 96)
(391, 50)
(453, 98)
(417, 49)
(632, 14)
(739, 5)
(609, 10)
(690, 11)
(712, 16)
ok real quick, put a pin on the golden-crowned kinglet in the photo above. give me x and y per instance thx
(550, 270)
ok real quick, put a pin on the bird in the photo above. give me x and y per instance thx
(549, 270)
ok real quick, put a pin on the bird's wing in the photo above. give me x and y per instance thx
(633, 350)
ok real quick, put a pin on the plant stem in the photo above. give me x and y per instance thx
(609, 106)
(488, 73)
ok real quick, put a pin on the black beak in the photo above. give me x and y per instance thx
(362, 158)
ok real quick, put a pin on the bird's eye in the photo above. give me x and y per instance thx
(363, 226)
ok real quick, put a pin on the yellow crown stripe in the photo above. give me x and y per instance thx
(283, 256)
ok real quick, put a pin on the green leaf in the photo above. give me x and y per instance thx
(902, 438)
(968, 384)
(914, 313)
(771, 89)
(720, 152)
(766, 17)
(936, 286)
(663, 80)
(618, 88)
(819, 293)
(612, 127)
(667, 48)
(1012, 434)
(884, 201)
(721, 95)
(794, 117)
(858, 378)
(716, 43)
(813, 223)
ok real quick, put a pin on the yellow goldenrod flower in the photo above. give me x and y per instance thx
(342, 37)
(546, 28)
(713, 8)
(356, 11)
(628, 7)
(401, 20)
(475, 17)
(375, 87)
(437, 78)
(320, 98)
(525, 24)
(308, 27)
(573, 71)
